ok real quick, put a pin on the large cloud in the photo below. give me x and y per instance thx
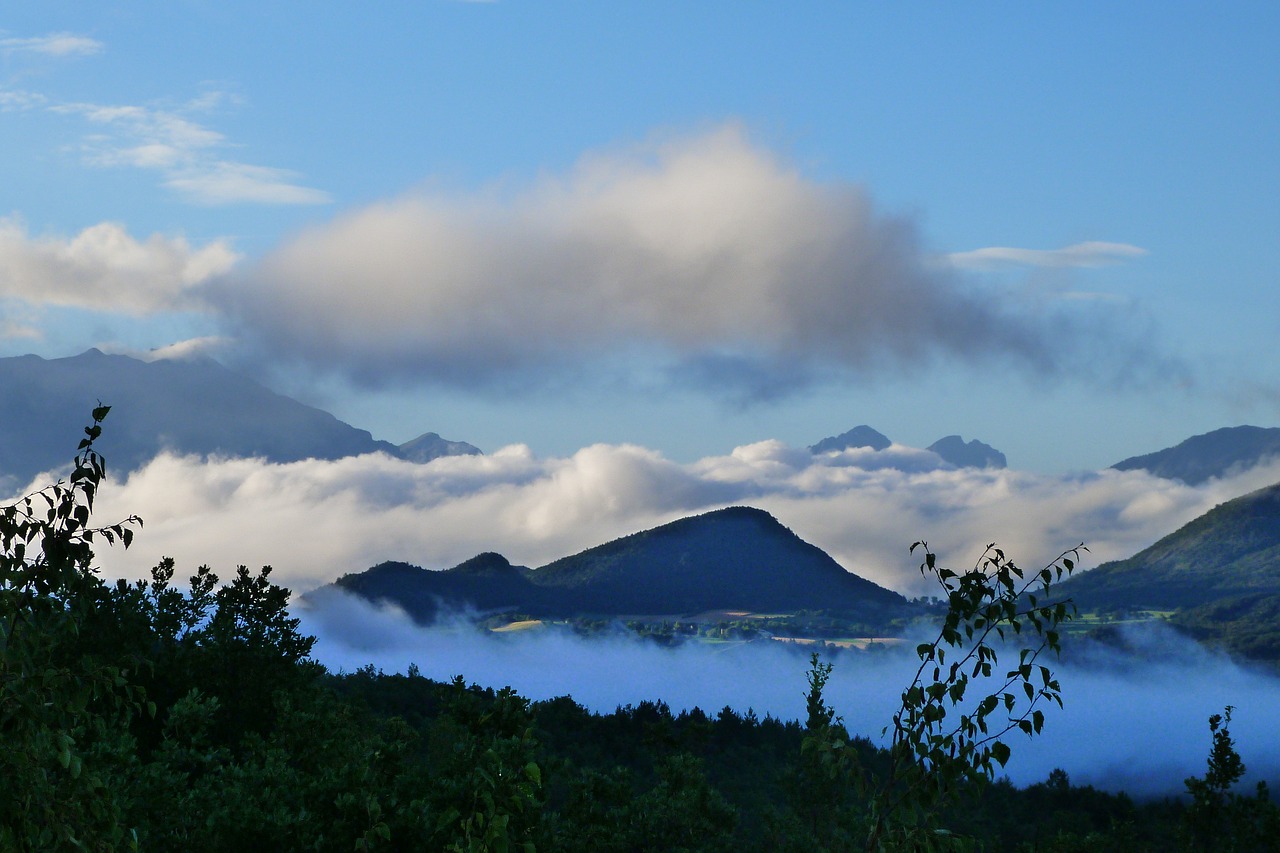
(707, 249)
(105, 268)
(315, 520)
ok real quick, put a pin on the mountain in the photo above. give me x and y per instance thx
(430, 446)
(1234, 549)
(859, 436)
(486, 582)
(738, 558)
(974, 454)
(1212, 454)
(188, 406)
(1220, 574)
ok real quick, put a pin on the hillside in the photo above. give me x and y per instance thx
(731, 559)
(1234, 549)
(1212, 454)
(1220, 574)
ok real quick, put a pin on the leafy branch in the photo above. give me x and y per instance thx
(941, 740)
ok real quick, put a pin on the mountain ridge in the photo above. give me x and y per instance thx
(191, 405)
(1216, 453)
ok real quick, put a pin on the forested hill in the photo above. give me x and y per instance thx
(1220, 573)
(738, 558)
(1234, 549)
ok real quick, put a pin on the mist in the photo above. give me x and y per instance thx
(1133, 720)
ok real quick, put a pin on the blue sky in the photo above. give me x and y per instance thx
(686, 226)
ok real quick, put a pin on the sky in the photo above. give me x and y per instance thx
(683, 227)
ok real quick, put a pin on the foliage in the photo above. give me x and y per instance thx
(943, 742)
(829, 770)
(1219, 819)
(486, 796)
(61, 711)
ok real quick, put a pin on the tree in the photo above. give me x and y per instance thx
(1219, 819)
(942, 740)
(64, 711)
(829, 770)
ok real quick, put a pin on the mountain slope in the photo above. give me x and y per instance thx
(187, 406)
(1212, 454)
(731, 559)
(737, 558)
(1232, 550)
(1219, 574)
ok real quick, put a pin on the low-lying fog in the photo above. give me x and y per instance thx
(1134, 721)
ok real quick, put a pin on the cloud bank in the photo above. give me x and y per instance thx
(707, 250)
(105, 268)
(315, 520)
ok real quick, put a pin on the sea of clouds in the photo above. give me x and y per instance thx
(316, 520)
(1132, 723)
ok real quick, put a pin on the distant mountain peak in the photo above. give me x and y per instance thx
(859, 436)
(973, 454)
(1209, 455)
(430, 446)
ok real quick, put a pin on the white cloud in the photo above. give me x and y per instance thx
(707, 249)
(186, 153)
(315, 520)
(177, 351)
(14, 100)
(105, 268)
(1089, 254)
(54, 44)
(228, 183)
